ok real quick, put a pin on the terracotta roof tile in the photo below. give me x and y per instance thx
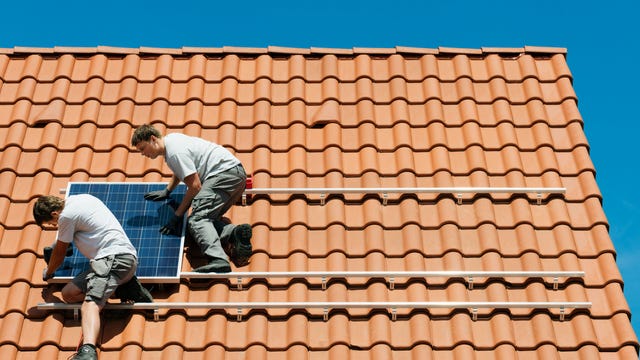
(331, 51)
(322, 117)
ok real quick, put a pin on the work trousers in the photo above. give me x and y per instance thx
(217, 195)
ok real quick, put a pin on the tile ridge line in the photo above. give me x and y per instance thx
(281, 50)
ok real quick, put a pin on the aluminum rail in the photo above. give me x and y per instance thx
(406, 190)
(470, 275)
(326, 305)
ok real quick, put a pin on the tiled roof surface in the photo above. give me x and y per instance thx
(397, 117)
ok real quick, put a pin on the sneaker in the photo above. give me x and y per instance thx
(215, 266)
(86, 352)
(132, 290)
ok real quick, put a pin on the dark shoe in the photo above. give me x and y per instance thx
(132, 290)
(215, 266)
(242, 249)
(242, 233)
(86, 352)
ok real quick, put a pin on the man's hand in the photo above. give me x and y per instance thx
(45, 276)
(173, 226)
(157, 195)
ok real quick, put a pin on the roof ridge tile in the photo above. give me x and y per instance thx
(416, 50)
(288, 50)
(26, 49)
(117, 50)
(545, 49)
(461, 51)
(200, 50)
(338, 51)
(282, 50)
(75, 50)
(244, 50)
(162, 51)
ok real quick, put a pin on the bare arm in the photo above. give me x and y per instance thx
(57, 258)
(193, 188)
(173, 183)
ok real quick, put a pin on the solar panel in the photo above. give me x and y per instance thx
(159, 256)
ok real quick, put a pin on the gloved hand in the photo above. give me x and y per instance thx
(173, 226)
(157, 195)
(44, 275)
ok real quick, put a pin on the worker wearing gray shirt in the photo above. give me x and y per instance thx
(215, 180)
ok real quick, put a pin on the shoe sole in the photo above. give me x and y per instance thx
(213, 269)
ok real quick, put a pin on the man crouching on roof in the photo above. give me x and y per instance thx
(215, 181)
(87, 222)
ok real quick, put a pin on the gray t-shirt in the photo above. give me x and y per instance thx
(92, 227)
(186, 155)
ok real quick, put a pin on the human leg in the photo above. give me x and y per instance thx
(105, 276)
(90, 312)
(71, 293)
(217, 195)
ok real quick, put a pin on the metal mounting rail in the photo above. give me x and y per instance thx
(458, 191)
(324, 275)
(326, 305)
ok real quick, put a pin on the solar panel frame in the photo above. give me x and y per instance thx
(159, 256)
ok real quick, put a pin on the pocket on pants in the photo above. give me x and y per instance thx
(102, 267)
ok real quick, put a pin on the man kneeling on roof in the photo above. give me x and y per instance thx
(87, 222)
(215, 181)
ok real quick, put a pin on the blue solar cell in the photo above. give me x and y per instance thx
(159, 256)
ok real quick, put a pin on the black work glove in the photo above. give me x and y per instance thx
(157, 195)
(46, 277)
(173, 226)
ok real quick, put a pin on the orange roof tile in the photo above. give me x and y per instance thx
(316, 118)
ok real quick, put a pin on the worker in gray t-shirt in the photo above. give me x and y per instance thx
(88, 223)
(215, 180)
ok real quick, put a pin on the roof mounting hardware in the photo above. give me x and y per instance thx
(325, 314)
(326, 305)
(474, 314)
(394, 314)
(392, 276)
(457, 191)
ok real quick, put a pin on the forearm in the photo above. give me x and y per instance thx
(193, 188)
(186, 201)
(173, 183)
(57, 257)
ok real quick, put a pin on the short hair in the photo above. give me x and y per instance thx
(144, 133)
(45, 206)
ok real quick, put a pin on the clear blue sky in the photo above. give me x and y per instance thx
(601, 38)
